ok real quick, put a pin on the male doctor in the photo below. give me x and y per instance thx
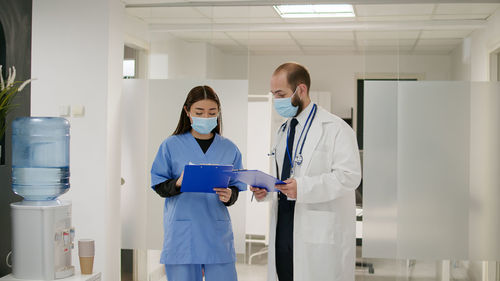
(312, 233)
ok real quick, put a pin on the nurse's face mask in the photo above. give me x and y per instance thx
(204, 116)
(284, 106)
(204, 125)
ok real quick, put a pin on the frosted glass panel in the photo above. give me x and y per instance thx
(433, 155)
(380, 156)
(151, 112)
(258, 145)
(431, 160)
(164, 106)
(134, 152)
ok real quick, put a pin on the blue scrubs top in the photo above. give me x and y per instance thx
(197, 226)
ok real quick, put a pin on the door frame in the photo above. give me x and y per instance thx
(494, 64)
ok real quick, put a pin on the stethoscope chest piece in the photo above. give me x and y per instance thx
(298, 159)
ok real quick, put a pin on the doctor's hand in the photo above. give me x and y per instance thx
(259, 193)
(224, 194)
(289, 189)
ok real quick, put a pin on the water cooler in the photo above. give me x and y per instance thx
(42, 237)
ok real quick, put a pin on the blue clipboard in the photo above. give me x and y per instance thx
(204, 178)
(257, 178)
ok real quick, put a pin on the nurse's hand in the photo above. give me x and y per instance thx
(259, 193)
(289, 189)
(178, 183)
(224, 194)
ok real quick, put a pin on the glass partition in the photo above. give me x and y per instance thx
(430, 170)
(426, 208)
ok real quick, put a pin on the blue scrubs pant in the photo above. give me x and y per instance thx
(192, 272)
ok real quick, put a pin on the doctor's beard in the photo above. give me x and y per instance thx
(296, 101)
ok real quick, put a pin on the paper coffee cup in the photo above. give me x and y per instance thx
(86, 252)
(86, 265)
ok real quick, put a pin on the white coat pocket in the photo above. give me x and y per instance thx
(319, 227)
(320, 163)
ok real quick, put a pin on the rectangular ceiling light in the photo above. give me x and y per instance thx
(315, 11)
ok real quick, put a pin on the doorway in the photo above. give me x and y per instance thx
(495, 64)
(498, 67)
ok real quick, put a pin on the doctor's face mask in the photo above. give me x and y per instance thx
(284, 106)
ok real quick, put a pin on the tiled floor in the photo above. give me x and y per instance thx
(385, 270)
(254, 272)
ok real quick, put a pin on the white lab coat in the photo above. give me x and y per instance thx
(324, 234)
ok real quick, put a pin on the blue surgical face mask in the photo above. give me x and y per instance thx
(204, 125)
(284, 106)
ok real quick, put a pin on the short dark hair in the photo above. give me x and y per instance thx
(197, 94)
(295, 74)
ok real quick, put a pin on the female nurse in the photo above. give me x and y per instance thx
(198, 235)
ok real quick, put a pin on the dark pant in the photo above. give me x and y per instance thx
(284, 239)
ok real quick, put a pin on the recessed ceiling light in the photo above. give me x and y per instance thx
(315, 11)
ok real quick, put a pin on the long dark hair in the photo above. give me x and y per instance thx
(197, 93)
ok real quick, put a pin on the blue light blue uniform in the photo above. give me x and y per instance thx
(197, 226)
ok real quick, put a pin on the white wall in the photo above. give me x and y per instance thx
(171, 58)
(460, 61)
(137, 36)
(330, 73)
(79, 62)
(225, 66)
(483, 42)
(471, 60)
(136, 32)
(337, 73)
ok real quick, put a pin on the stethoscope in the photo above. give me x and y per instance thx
(297, 159)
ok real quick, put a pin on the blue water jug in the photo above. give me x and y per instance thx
(40, 157)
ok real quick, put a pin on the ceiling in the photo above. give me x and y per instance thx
(404, 28)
